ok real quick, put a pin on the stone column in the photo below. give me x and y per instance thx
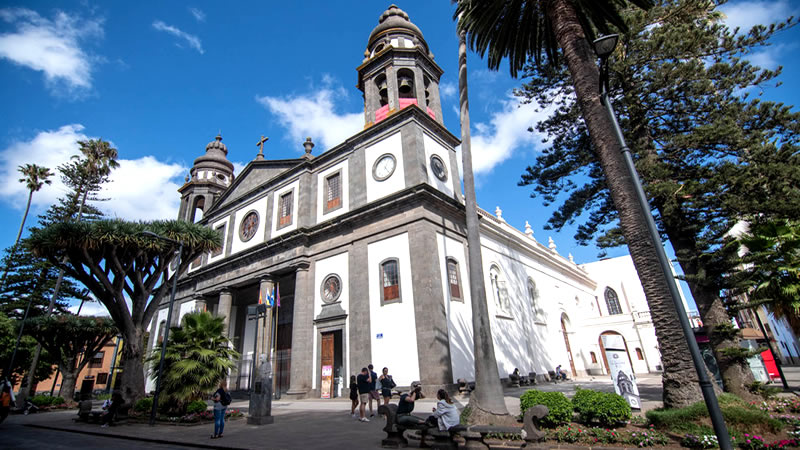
(224, 309)
(302, 333)
(176, 314)
(264, 326)
(200, 304)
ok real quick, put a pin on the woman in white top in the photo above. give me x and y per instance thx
(445, 412)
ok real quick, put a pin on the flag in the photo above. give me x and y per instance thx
(270, 299)
(278, 296)
(260, 297)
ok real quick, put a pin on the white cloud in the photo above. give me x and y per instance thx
(198, 14)
(448, 90)
(132, 189)
(51, 46)
(314, 115)
(94, 308)
(768, 57)
(746, 14)
(190, 39)
(505, 133)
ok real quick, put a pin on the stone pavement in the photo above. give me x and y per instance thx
(312, 423)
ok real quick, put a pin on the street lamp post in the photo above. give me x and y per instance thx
(169, 320)
(604, 46)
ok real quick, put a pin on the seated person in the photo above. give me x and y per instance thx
(445, 415)
(111, 411)
(514, 377)
(560, 374)
(406, 407)
(84, 408)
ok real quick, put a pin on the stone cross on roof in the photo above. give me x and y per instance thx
(260, 145)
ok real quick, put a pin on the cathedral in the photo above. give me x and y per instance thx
(360, 253)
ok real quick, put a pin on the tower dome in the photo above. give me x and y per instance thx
(210, 175)
(394, 22)
(215, 157)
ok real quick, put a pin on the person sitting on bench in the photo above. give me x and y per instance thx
(560, 374)
(406, 407)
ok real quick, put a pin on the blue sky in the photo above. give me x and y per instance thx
(161, 79)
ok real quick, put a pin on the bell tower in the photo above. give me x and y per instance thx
(398, 70)
(210, 175)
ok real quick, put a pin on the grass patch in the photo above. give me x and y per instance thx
(739, 416)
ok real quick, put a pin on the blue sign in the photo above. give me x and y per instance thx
(379, 335)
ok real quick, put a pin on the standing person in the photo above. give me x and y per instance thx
(373, 392)
(445, 413)
(5, 402)
(365, 384)
(353, 396)
(111, 411)
(387, 384)
(222, 398)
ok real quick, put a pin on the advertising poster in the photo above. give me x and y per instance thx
(327, 378)
(621, 371)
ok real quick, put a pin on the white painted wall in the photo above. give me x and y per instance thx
(161, 315)
(223, 221)
(459, 313)
(337, 264)
(322, 189)
(377, 189)
(186, 307)
(397, 349)
(295, 188)
(433, 147)
(260, 206)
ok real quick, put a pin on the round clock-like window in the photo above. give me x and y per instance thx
(331, 288)
(249, 226)
(438, 167)
(384, 167)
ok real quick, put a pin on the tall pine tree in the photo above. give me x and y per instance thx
(708, 154)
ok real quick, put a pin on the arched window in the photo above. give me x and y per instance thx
(454, 279)
(390, 281)
(639, 354)
(594, 357)
(161, 326)
(612, 302)
(499, 290)
(533, 296)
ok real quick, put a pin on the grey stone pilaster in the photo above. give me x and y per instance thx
(430, 315)
(307, 201)
(357, 179)
(302, 333)
(200, 304)
(175, 320)
(394, 90)
(224, 309)
(360, 332)
(415, 165)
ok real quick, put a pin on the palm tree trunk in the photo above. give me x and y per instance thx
(24, 218)
(680, 382)
(487, 398)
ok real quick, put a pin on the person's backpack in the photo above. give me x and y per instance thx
(225, 398)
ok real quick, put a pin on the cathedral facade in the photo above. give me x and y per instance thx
(363, 249)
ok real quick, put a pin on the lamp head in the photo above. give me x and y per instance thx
(605, 45)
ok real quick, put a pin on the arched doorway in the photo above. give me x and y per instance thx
(603, 348)
(564, 322)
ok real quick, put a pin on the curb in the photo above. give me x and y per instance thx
(134, 438)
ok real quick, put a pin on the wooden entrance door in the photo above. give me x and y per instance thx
(569, 350)
(327, 360)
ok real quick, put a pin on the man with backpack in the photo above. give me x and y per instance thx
(222, 398)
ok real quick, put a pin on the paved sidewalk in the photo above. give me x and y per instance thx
(310, 423)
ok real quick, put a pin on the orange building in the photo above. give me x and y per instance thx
(95, 376)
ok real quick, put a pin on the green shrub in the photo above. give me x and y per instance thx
(196, 406)
(42, 400)
(144, 405)
(104, 397)
(606, 408)
(739, 415)
(558, 405)
(57, 401)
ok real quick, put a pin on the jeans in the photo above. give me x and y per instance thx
(219, 421)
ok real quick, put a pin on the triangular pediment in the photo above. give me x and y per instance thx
(255, 175)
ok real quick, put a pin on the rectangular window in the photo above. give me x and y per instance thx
(97, 360)
(285, 211)
(197, 262)
(452, 277)
(333, 191)
(390, 280)
(221, 231)
(102, 378)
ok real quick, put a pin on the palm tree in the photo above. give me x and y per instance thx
(99, 160)
(525, 30)
(198, 357)
(34, 178)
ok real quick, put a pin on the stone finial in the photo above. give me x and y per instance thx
(528, 230)
(571, 259)
(187, 178)
(498, 212)
(551, 244)
(308, 145)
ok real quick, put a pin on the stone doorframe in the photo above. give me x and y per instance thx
(330, 324)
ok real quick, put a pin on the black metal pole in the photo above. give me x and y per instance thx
(166, 331)
(710, 397)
